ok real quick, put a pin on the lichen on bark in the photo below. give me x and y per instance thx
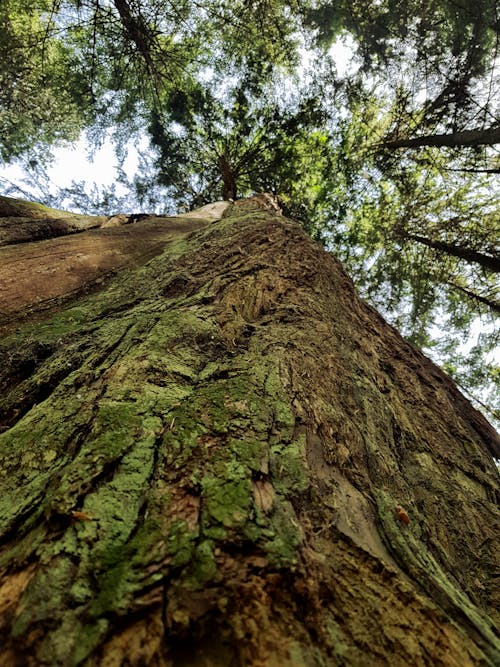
(203, 461)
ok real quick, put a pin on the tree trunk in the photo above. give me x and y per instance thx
(494, 305)
(137, 31)
(488, 137)
(224, 457)
(37, 276)
(489, 262)
(229, 177)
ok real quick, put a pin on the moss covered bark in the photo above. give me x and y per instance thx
(226, 458)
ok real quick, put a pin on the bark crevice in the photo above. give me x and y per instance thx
(242, 464)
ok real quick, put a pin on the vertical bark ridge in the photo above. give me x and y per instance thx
(244, 464)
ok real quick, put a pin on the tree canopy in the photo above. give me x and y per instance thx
(392, 159)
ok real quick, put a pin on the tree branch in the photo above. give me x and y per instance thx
(488, 137)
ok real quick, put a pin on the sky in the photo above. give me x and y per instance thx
(79, 162)
(75, 162)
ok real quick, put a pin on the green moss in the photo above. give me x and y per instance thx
(70, 542)
(115, 589)
(116, 505)
(296, 655)
(81, 591)
(11, 206)
(211, 369)
(32, 453)
(48, 592)
(60, 325)
(289, 466)
(281, 547)
(89, 637)
(181, 439)
(250, 452)
(181, 543)
(284, 418)
(204, 567)
(227, 499)
(115, 430)
(337, 638)
(216, 533)
(24, 546)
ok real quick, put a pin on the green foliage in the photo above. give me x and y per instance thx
(35, 103)
(421, 245)
(435, 29)
(263, 143)
(224, 94)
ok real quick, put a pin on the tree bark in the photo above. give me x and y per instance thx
(40, 276)
(225, 457)
(22, 221)
(489, 262)
(488, 137)
(229, 178)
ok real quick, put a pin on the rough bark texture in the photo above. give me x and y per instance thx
(224, 457)
(34, 275)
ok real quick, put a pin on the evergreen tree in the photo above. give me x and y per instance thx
(377, 164)
(222, 456)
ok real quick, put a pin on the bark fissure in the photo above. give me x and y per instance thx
(252, 477)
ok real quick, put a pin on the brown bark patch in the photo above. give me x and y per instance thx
(263, 495)
(11, 590)
(34, 275)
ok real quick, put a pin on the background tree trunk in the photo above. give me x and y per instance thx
(490, 262)
(229, 186)
(486, 137)
(494, 305)
(224, 457)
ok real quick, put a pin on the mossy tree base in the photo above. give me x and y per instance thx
(224, 457)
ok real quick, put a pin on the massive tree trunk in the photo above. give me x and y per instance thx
(224, 457)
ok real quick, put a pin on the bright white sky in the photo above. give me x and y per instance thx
(75, 163)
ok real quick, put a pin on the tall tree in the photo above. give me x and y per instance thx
(41, 98)
(223, 456)
(230, 141)
(426, 72)
(489, 136)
